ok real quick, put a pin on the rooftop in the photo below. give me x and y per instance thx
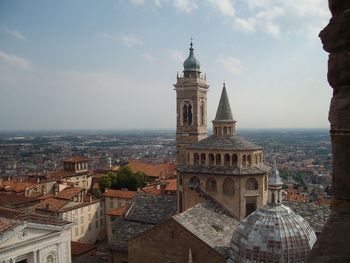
(224, 170)
(162, 170)
(119, 193)
(230, 143)
(69, 193)
(210, 223)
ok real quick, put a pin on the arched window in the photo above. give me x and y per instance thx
(228, 187)
(244, 161)
(196, 158)
(251, 184)
(184, 114)
(249, 160)
(234, 160)
(260, 158)
(218, 159)
(265, 182)
(211, 159)
(211, 186)
(194, 182)
(202, 120)
(225, 130)
(187, 113)
(50, 258)
(203, 157)
(227, 159)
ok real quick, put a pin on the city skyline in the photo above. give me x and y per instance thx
(111, 65)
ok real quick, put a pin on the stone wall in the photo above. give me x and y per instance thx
(170, 242)
(333, 244)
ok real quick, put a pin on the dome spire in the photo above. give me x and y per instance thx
(223, 112)
(275, 185)
(191, 64)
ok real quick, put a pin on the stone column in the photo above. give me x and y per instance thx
(333, 243)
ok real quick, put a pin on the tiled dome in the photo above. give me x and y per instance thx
(191, 63)
(274, 233)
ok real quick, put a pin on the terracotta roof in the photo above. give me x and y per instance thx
(153, 170)
(119, 193)
(76, 159)
(78, 248)
(6, 224)
(120, 211)
(51, 204)
(19, 215)
(69, 193)
(161, 188)
(16, 200)
(171, 184)
(15, 186)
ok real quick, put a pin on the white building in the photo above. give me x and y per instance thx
(31, 238)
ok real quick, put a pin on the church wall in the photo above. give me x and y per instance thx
(236, 202)
(170, 242)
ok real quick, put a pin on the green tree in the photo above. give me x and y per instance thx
(104, 182)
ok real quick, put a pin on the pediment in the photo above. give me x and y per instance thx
(23, 233)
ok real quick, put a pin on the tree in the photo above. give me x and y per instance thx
(104, 182)
(124, 178)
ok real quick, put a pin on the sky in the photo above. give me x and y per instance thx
(89, 64)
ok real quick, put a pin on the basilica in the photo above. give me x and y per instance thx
(229, 203)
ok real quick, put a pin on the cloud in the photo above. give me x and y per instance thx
(104, 35)
(225, 7)
(12, 32)
(129, 40)
(137, 2)
(15, 60)
(231, 64)
(177, 55)
(149, 57)
(186, 6)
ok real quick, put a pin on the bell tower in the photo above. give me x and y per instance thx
(191, 106)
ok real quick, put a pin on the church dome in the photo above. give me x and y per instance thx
(191, 63)
(272, 234)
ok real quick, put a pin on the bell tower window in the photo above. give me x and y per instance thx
(187, 113)
(202, 120)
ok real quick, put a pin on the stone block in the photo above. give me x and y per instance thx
(337, 7)
(341, 165)
(335, 36)
(339, 116)
(339, 70)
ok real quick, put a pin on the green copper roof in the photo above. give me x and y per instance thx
(191, 63)
(224, 110)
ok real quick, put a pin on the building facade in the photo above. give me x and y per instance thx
(31, 238)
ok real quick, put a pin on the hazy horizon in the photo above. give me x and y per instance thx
(93, 65)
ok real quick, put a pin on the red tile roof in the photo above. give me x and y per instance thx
(15, 186)
(20, 215)
(51, 204)
(162, 188)
(120, 211)
(69, 193)
(164, 170)
(119, 193)
(15, 200)
(78, 248)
